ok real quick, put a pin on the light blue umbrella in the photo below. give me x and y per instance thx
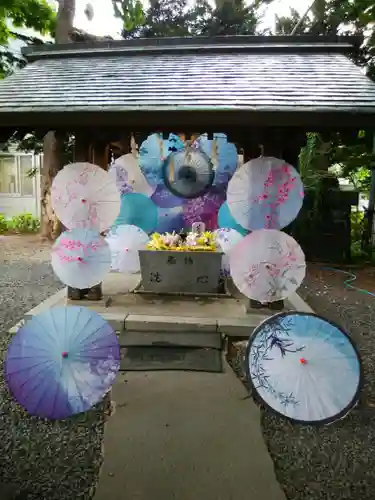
(227, 156)
(81, 258)
(304, 367)
(152, 153)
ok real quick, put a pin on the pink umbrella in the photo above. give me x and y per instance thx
(267, 265)
(265, 193)
(85, 196)
(204, 209)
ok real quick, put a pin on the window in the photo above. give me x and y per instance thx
(8, 175)
(14, 175)
(27, 182)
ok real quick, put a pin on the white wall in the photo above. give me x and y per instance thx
(16, 203)
(10, 206)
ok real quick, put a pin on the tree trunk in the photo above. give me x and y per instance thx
(53, 150)
(64, 20)
(52, 162)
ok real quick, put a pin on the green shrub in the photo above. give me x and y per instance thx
(357, 225)
(24, 223)
(3, 224)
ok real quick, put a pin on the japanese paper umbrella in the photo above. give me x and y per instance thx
(81, 258)
(227, 239)
(124, 242)
(85, 196)
(127, 175)
(226, 220)
(188, 173)
(62, 362)
(267, 265)
(304, 367)
(204, 209)
(265, 193)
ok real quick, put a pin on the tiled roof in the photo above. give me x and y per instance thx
(118, 77)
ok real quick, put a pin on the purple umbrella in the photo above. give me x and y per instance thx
(62, 362)
(204, 209)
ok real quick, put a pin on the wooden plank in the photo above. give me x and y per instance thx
(171, 358)
(183, 339)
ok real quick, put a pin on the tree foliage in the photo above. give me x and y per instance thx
(352, 156)
(232, 18)
(35, 14)
(177, 18)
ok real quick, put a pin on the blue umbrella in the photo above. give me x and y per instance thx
(138, 210)
(188, 173)
(173, 144)
(227, 156)
(170, 219)
(304, 367)
(151, 156)
(62, 362)
(226, 220)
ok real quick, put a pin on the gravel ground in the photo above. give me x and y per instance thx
(335, 462)
(44, 460)
(26, 277)
(61, 461)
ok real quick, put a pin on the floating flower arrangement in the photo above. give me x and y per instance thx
(190, 242)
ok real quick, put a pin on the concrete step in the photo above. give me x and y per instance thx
(237, 327)
(144, 358)
(129, 312)
(131, 338)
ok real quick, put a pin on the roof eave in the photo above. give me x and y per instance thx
(280, 44)
(177, 118)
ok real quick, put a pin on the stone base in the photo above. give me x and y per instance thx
(191, 272)
(274, 306)
(93, 293)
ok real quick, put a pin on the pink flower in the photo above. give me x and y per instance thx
(251, 277)
(273, 270)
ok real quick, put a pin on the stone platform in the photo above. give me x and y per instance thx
(129, 311)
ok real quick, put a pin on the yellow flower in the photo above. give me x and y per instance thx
(194, 242)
